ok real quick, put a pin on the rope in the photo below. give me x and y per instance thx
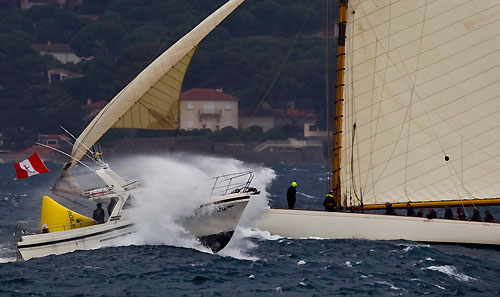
(273, 82)
(327, 94)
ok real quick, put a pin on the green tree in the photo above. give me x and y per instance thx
(85, 41)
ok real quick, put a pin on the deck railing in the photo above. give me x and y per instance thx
(232, 183)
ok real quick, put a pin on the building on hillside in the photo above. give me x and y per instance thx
(311, 131)
(53, 140)
(61, 74)
(274, 118)
(208, 109)
(93, 108)
(60, 51)
(64, 4)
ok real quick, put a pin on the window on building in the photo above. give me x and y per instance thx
(55, 77)
(190, 105)
(228, 123)
(51, 142)
(190, 124)
(228, 106)
(209, 105)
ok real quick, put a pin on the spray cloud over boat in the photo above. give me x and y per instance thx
(173, 187)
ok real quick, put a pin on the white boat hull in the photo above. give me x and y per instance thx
(214, 228)
(340, 225)
(87, 238)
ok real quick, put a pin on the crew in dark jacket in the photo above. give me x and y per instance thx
(329, 202)
(409, 210)
(420, 213)
(476, 216)
(99, 214)
(290, 195)
(388, 209)
(461, 214)
(431, 214)
(448, 213)
(111, 205)
(489, 218)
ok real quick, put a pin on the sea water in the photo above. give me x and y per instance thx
(161, 260)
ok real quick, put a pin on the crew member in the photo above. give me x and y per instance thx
(329, 202)
(476, 216)
(420, 212)
(460, 214)
(111, 205)
(99, 214)
(290, 195)
(448, 213)
(388, 209)
(431, 214)
(489, 218)
(409, 210)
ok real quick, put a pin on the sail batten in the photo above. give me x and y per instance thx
(422, 106)
(151, 100)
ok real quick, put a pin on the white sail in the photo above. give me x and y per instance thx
(423, 90)
(151, 100)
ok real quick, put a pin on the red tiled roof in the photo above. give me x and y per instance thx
(207, 95)
(52, 47)
(64, 71)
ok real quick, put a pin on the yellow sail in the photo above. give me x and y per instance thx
(56, 217)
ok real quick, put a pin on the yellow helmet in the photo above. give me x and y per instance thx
(294, 184)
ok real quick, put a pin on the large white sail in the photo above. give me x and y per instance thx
(151, 100)
(423, 92)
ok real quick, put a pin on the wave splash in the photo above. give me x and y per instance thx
(174, 185)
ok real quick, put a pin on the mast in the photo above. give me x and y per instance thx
(339, 102)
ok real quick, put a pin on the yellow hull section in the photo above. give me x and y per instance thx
(56, 218)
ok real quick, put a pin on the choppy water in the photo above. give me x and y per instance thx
(254, 264)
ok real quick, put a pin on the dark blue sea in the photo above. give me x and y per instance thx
(256, 264)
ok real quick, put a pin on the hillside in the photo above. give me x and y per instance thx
(261, 42)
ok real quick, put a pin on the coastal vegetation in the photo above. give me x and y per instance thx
(266, 51)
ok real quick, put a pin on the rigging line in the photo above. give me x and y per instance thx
(289, 53)
(462, 169)
(374, 131)
(404, 78)
(70, 199)
(85, 153)
(419, 55)
(76, 140)
(353, 181)
(326, 20)
(448, 26)
(67, 155)
(352, 123)
(351, 105)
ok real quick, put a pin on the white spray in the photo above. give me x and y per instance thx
(174, 185)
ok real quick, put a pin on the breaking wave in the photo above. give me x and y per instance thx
(174, 185)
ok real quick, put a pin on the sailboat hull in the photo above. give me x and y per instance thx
(213, 227)
(87, 238)
(338, 225)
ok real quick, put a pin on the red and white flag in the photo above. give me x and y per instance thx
(31, 166)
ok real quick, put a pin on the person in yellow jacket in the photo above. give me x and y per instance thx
(329, 202)
(290, 195)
